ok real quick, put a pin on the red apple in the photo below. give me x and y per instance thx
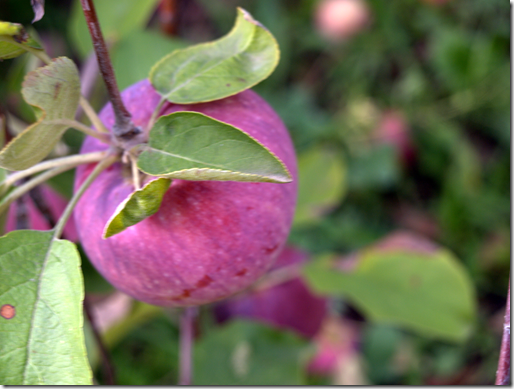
(338, 20)
(394, 130)
(36, 221)
(288, 305)
(209, 239)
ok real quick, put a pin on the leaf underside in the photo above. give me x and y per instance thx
(193, 146)
(137, 207)
(54, 91)
(41, 294)
(210, 71)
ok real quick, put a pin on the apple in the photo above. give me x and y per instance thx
(338, 20)
(288, 305)
(35, 219)
(209, 239)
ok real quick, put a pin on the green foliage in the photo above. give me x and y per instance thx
(211, 71)
(138, 206)
(321, 184)
(45, 345)
(247, 353)
(54, 92)
(429, 293)
(192, 146)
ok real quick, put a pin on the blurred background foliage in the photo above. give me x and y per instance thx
(400, 115)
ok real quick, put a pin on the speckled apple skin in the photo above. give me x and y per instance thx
(209, 239)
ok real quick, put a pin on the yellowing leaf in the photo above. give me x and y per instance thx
(13, 39)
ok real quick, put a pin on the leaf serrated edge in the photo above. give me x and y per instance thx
(242, 15)
(288, 173)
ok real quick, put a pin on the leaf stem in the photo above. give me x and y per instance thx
(503, 372)
(41, 54)
(187, 319)
(124, 129)
(83, 128)
(102, 165)
(92, 116)
(68, 162)
(21, 190)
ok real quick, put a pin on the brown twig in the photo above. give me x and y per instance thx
(107, 364)
(123, 129)
(503, 372)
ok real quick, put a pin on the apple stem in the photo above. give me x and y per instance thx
(187, 319)
(124, 129)
(503, 372)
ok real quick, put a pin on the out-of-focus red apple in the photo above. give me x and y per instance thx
(288, 305)
(209, 239)
(338, 20)
(36, 220)
(394, 130)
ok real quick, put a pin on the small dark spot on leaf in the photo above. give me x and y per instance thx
(206, 280)
(228, 85)
(7, 311)
(240, 79)
(57, 88)
(241, 273)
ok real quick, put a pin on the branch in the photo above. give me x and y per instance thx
(124, 129)
(503, 372)
(187, 319)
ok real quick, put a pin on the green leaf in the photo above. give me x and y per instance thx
(210, 71)
(137, 207)
(428, 293)
(54, 91)
(12, 35)
(321, 184)
(193, 146)
(117, 19)
(41, 296)
(247, 353)
(141, 49)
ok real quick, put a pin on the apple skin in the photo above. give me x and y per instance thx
(209, 239)
(289, 305)
(36, 221)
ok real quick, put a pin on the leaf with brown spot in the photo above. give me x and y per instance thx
(41, 295)
(14, 40)
(54, 92)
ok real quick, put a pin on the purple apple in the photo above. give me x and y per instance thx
(288, 305)
(209, 239)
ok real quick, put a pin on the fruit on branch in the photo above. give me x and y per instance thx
(338, 20)
(209, 239)
(289, 304)
(44, 217)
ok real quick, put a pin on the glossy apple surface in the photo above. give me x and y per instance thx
(288, 305)
(209, 239)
